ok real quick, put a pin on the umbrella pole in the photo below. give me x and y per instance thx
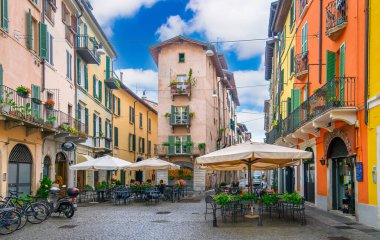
(249, 164)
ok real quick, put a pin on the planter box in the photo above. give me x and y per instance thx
(37, 101)
(23, 95)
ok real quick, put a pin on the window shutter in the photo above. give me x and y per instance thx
(4, 15)
(94, 85)
(108, 67)
(85, 29)
(35, 107)
(171, 145)
(143, 145)
(342, 61)
(94, 124)
(43, 40)
(289, 105)
(100, 127)
(306, 37)
(291, 61)
(100, 88)
(79, 71)
(1, 78)
(330, 66)
(86, 119)
(30, 30)
(116, 137)
(172, 116)
(106, 96)
(51, 52)
(130, 142)
(118, 106)
(79, 115)
(106, 128)
(188, 146)
(134, 142)
(85, 69)
(188, 114)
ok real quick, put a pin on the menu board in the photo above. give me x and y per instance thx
(359, 171)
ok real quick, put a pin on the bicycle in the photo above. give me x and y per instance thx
(10, 220)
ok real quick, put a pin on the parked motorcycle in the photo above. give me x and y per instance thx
(63, 204)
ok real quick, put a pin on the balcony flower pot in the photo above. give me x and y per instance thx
(49, 104)
(23, 91)
(36, 101)
(5, 108)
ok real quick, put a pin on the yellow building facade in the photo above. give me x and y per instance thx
(135, 132)
(373, 102)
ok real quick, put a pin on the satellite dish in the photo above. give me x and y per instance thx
(209, 53)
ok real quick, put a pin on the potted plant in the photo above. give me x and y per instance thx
(188, 177)
(274, 123)
(6, 103)
(167, 115)
(171, 178)
(118, 183)
(334, 101)
(51, 121)
(178, 144)
(72, 131)
(45, 185)
(64, 127)
(223, 199)
(223, 130)
(82, 135)
(36, 101)
(166, 144)
(192, 114)
(23, 91)
(49, 104)
(189, 144)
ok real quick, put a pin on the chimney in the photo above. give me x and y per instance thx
(143, 96)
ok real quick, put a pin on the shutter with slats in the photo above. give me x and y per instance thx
(100, 88)
(108, 67)
(171, 145)
(100, 127)
(134, 142)
(36, 110)
(106, 93)
(1, 77)
(342, 70)
(30, 30)
(43, 40)
(79, 112)
(79, 69)
(172, 115)
(188, 144)
(94, 124)
(188, 114)
(296, 101)
(4, 15)
(86, 119)
(94, 85)
(106, 129)
(85, 73)
(116, 137)
(118, 106)
(330, 74)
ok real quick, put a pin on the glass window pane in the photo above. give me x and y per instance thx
(24, 173)
(12, 174)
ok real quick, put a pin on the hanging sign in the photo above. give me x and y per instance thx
(359, 171)
(68, 146)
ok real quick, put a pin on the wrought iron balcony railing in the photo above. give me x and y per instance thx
(301, 64)
(337, 93)
(86, 47)
(336, 17)
(69, 35)
(302, 5)
(273, 135)
(180, 88)
(102, 142)
(178, 149)
(180, 119)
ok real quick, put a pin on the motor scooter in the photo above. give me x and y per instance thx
(63, 204)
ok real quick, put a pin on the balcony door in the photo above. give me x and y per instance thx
(181, 82)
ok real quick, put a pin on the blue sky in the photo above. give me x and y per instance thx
(134, 25)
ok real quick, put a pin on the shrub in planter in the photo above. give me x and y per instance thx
(292, 198)
(45, 185)
(188, 177)
(166, 144)
(223, 199)
(118, 183)
(87, 187)
(23, 91)
(171, 178)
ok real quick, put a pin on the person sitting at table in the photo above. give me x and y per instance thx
(161, 186)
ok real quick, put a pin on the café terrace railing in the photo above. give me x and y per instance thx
(337, 93)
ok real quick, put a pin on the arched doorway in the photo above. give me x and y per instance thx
(47, 164)
(139, 174)
(20, 169)
(309, 177)
(61, 168)
(343, 179)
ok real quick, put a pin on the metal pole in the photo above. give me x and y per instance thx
(249, 164)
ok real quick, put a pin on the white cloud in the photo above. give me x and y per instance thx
(141, 80)
(107, 11)
(221, 20)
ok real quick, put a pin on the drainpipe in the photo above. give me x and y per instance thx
(43, 61)
(366, 63)
(134, 129)
(147, 129)
(320, 40)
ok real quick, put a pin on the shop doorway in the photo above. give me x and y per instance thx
(61, 169)
(20, 169)
(289, 179)
(47, 164)
(343, 180)
(139, 174)
(309, 178)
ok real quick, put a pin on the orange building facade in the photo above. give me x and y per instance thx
(329, 88)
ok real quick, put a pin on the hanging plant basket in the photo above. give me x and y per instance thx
(48, 106)
(23, 91)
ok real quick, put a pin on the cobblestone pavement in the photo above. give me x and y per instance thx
(185, 220)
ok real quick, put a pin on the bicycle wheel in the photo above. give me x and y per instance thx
(69, 212)
(9, 222)
(36, 213)
(23, 217)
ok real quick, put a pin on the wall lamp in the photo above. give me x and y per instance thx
(323, 162)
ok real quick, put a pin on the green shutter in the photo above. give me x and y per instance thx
(296, 101)
(188, 114)
(43, 40)
(36, 109)
(94, 85)
(100, 127)
(105, 129)
(289, 105)
(106, 92)
(118, 106)
(172, 117)
(4, 15)
(86, 119)
(171, 145)
(134, 142)
(100, 88)
(342, 71)
(188, 146)
(116, 136)
(291, 61)
(79, 115)
(79, 80)
(108, 67)
(330, 75)
(94, 124)
(30, 30)
(1, 77)
(85, 73)
(84, 29)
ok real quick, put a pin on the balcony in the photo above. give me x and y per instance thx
(69, 35)
(181, 119)
(102, 143)
(86, 48)
(70, 128)
(336, 18)
(301, 65)
(180, 89)
(335, 101)
(273, 135)
(178, 149)
(112, 83)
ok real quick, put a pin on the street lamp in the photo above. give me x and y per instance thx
(209, 52)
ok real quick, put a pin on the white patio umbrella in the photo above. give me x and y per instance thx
(152, 164)
(251, 154)
(103, 163)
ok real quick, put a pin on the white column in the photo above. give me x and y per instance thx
(199, 180)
